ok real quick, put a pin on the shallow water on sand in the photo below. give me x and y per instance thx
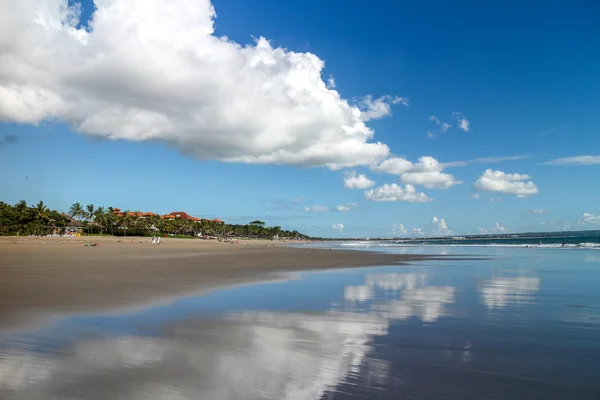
(524, 324)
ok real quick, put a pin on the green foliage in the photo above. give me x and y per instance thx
(22, 219)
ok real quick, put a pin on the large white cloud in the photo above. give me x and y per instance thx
(427, 172)
(501, 182)
(577, 160)
(352, 180)
(154, 70)
(393, 192)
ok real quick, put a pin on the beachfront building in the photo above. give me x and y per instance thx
(185, 216)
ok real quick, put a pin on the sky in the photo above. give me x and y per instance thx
(338, 119)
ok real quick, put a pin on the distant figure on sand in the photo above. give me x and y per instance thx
(158, 240)
(153, 240)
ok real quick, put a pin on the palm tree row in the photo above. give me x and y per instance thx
(22, 219)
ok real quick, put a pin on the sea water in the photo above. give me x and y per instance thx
(508, 323)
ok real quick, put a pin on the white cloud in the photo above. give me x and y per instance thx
(378, 108)
(588, 218)
(398, 229)
(439, 227)
(393, 192)
(443, 126)
(427, 172)
(338, 227)
(537, 211)
(431, 180)
(578, 160)
(346, 207)
(475, 196)
(152, 70)
(357, 181)
(316, 208)
(499, 228)
(394, 166)
(513, 184)
(463, 122)
(418, 231)
(330, 82)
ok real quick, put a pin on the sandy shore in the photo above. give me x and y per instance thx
(62, 275)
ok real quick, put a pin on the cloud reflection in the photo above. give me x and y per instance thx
(248, 355)
(502, 292)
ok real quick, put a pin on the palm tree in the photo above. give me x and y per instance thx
(100, 217)
(41, 214)
(89, 215)
(22, 211)
(76, 211)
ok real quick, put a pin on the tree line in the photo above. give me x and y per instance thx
(22, 219)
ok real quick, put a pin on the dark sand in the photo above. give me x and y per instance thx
(55, 275)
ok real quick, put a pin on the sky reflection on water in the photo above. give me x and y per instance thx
(522, 326)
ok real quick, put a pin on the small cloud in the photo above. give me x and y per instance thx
(536, 211)
(352, 180)
(316, 208)
(394, 192)
(443, 126)
(398, 230)
(427, 172)
(475, 196)
(509, 184)
(494, 199)
(338, 227)
(378, 108)
(330, 82)
(418, 231)
(440, 228)
(499, 228)
(347, 207)
(588, 218)
(463, 122)
(577, 160)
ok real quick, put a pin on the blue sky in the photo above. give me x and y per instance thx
(525, 78)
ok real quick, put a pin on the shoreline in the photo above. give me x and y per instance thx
(54, 275)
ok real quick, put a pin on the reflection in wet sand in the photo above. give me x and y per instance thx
(244, 356)
(247, 355)
(502, 292)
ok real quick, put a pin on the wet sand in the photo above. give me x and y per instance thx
(62, 275)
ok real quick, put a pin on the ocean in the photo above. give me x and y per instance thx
(499, 321)
(566, 240)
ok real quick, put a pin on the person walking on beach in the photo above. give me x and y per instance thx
(153, 240)
(158, 240)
